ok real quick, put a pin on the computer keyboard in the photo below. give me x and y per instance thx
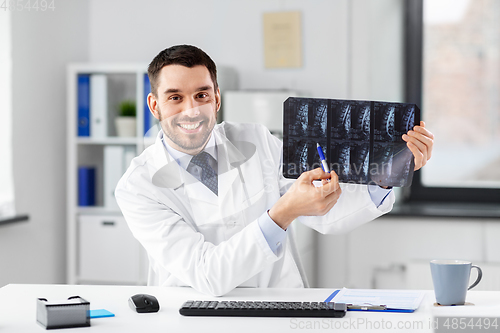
(263, 309)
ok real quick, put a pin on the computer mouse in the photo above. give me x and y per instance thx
(144, 303)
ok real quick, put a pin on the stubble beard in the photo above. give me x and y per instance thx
(172, 132)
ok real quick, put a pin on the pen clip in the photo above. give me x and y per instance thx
(366, 307)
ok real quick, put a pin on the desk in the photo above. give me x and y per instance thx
(18, 311)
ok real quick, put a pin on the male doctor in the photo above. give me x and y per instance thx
(209, 203)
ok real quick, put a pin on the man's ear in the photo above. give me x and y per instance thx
(153, 106)
(218, 99)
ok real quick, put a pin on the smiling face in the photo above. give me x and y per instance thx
(186, 106)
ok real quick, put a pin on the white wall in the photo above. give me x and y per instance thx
(376, 50)
(231, 33)
(42, 44)
(351, 48)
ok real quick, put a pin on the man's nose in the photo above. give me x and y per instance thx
(191, 108)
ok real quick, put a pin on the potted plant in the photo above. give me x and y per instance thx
(125, 122)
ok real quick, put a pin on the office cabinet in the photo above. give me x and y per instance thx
(101, 249)
(107, 251)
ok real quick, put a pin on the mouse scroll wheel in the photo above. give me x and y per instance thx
(147, 302)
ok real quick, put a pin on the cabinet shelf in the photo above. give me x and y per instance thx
(107, 141)
(97, 210)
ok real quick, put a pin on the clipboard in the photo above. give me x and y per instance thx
(378, 300)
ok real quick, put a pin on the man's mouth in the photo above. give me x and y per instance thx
(190, 126)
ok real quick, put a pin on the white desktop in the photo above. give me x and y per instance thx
(18, 311)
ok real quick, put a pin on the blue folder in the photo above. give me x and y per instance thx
(417, 296)
(147, 114)
(83, 104)
(86, 186)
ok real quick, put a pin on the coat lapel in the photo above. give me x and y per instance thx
(235, 186)
(235, 189)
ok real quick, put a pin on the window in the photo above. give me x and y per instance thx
(6, 175)
(453, 72)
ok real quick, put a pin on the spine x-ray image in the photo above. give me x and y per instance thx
(362, 140)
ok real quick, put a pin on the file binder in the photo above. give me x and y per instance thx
(83, 92)
(113, 171)
(148, 122)
(86, 186)
(99, 106)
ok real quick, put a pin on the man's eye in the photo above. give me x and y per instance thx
(202, 95)
(175, 98)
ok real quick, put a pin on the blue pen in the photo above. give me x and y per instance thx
(324, 165)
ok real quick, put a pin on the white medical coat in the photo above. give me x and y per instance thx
(214, 243)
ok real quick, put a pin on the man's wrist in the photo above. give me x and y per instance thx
(279, 217)
(272, 232)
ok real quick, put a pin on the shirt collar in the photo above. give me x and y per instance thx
(183, 159)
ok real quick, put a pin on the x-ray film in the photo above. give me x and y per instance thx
(362, 140)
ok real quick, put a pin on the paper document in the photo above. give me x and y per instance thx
(391, 299)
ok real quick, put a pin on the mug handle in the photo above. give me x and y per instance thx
(479, 276)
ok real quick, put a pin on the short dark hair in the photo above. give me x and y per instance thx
(185, 55)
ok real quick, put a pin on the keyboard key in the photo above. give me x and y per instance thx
(187, 304)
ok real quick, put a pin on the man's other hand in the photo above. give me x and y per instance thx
(420, 142)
